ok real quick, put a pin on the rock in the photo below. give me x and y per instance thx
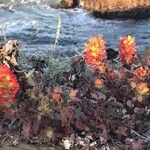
(69, 3)
(137, 9)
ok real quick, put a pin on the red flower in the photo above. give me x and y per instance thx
(142, 88)
(127, 49)
(140, 72)
(95, 51)
(8, 86)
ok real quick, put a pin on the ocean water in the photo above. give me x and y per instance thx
(34, 24)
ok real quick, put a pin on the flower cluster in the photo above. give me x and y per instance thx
(140, 82)
(98, 83)
(127, 49)
(8, 86)
(95, 53)
(141, 87)
(138, 77)
(140, 72)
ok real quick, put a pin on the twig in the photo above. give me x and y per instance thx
(8, 132)
(57, 34)
(58, 31)
(146, 139)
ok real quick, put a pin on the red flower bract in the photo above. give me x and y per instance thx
(95, 51)
(140, 72)
(8, 86)
(127, 49)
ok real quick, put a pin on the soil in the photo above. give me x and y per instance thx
(24, 146)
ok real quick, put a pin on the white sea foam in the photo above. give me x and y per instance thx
(38, 2)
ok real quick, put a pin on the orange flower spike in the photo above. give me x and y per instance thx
(127, 49)
(98, 83)
(96, 46)
(140, 72)
(8, 86)
(95, 50)
(142, 88)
